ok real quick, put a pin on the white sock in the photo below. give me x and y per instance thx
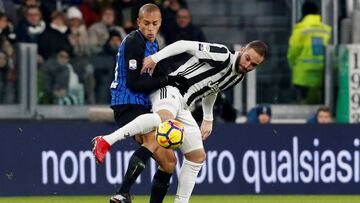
(140, 125)
(188, 173)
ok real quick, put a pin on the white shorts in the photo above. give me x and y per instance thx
(169, 98)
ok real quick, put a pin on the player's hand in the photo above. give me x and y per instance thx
(180, 82)
(148, 66)
(205, 129)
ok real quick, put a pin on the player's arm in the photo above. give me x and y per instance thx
(202, 50)
(207, 107)
(134, 54)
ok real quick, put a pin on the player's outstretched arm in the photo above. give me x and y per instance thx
(173, 49)
(207, 123)
(205, 129)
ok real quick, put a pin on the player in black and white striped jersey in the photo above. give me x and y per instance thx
(211, 68)
(208, 69)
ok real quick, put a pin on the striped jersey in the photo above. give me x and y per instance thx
(210, 68)
(128, 64)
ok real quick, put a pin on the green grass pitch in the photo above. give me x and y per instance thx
(194, 199)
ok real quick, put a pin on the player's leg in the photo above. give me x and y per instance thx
(140, 125)
(123, 115)
(138, 162)
(194, 157)
(165, 109)
(167, 104)
(166, 99)
(160, 184)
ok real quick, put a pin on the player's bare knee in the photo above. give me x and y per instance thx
(165, 115)
(167, 160)
(149, 142)
(197, 156)
(169, 165)
(202, 157)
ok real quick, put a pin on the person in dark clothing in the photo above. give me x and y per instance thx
(184, 29)
(31, 27)
(55, 36)
(112, 44)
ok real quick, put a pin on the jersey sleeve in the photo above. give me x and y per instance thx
(134, 55)
(201, 50)
(215, 52)
(208, 105)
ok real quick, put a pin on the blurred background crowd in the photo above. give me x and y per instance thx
(77, 41)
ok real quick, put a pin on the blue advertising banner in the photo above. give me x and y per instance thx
(54, 158)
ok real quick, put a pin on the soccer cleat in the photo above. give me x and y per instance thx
(100, 148)
(121, 198)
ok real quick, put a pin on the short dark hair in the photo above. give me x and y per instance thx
(323, 109)
(309, 8)
(58, 14)
(148, 8)
(259, 46)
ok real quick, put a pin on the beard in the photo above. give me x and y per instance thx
(237, 63)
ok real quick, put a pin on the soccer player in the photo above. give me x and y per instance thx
(209, 69)
(130, 99)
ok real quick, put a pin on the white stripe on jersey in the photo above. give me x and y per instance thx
(211, 70)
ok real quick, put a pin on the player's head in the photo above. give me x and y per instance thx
(149, 21)
(251, 55)
(323, 115)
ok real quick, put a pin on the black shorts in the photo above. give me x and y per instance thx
(123, 114)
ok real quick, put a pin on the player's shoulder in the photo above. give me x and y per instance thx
(213, 47)
(134, 40)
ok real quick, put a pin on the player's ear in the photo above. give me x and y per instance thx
(138, 21)
(242, 49)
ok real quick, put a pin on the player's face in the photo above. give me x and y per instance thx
(324, 117)
(149, 24)
(248, 60)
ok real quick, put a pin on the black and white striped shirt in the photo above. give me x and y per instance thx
(210, 70)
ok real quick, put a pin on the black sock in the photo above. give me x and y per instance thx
(136, 165)
(160, 186)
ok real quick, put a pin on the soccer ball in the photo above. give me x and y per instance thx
(170, 134)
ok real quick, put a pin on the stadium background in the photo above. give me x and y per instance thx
(45, 149)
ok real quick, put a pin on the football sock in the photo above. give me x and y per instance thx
(140, 125)
(160, 186)
(136, 165)
(188, 173)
